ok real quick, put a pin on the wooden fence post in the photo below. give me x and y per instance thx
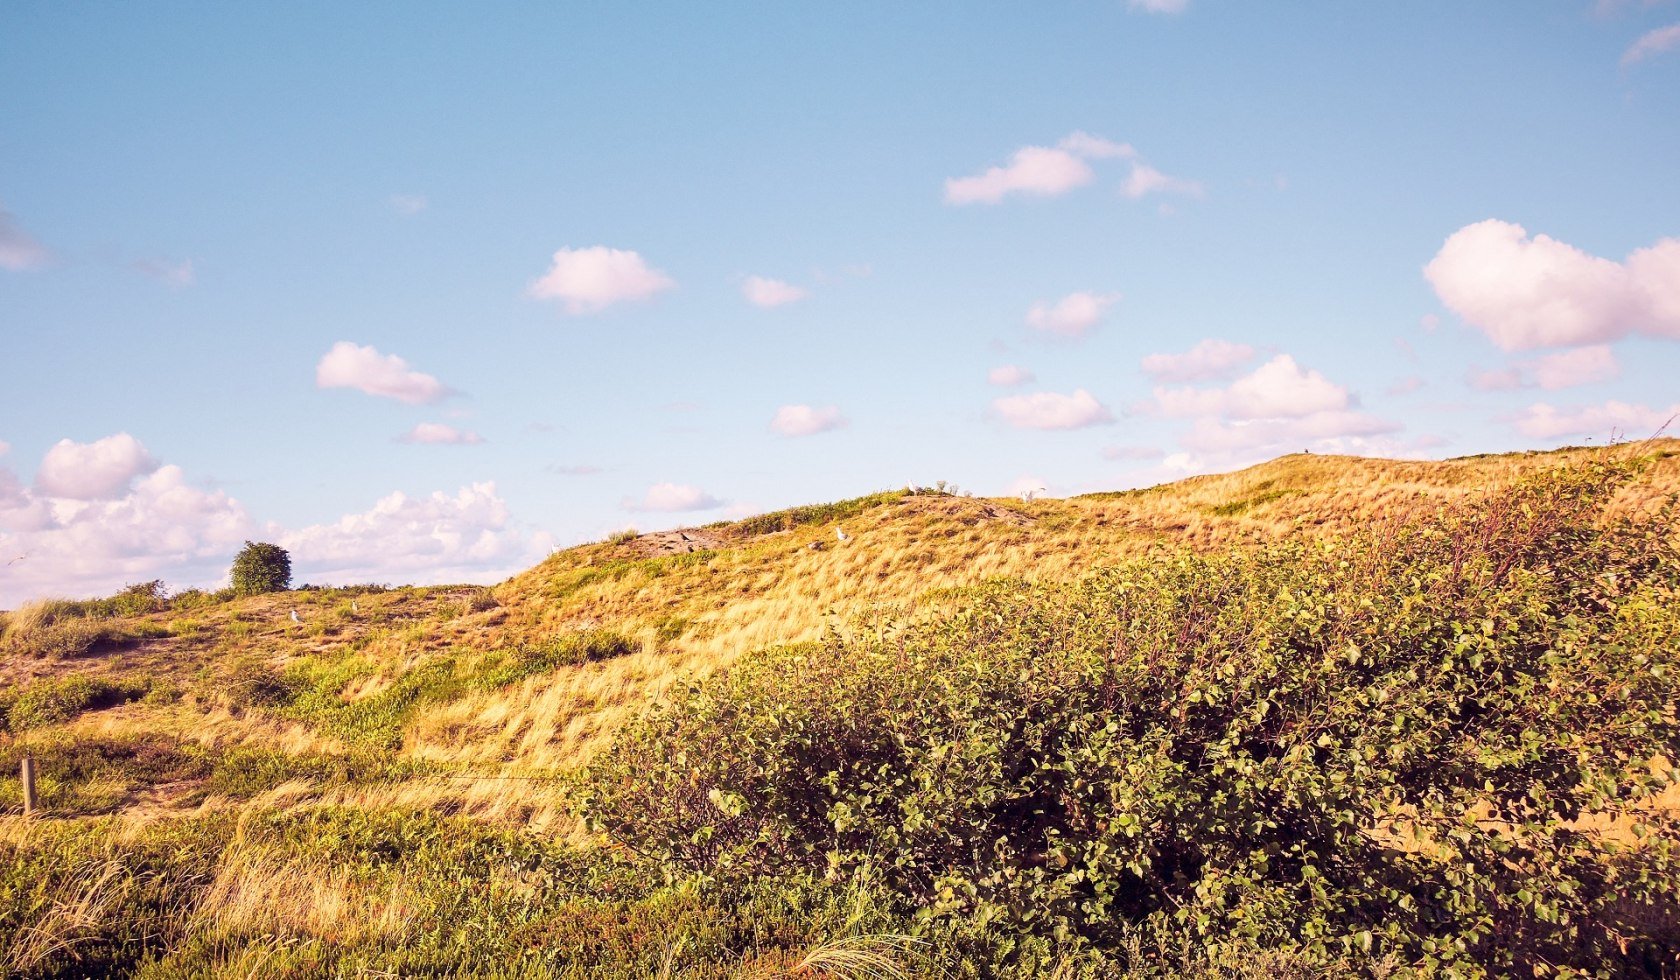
(28, 785)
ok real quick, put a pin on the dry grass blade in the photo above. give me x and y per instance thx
(871, 957)
(70, 918)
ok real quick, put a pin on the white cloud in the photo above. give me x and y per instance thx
(1651, 44)
(1145, 180)
(805, 420)
(100, 470)
(589, 280)
(1542, 421)
(1280, 388)
(768, 293)
(1495, 379)
(436, 433)
(1159, 6)
(1209, 360)
(409, 203)
(18, 250)
(1404, 386)
(1072, 315)
(176, 274)
(469, 536)
(1539, 292)
(1083, 144)
(164, 527)
(1266, 436)
(1046, 171)
(350, 365)
(673, 498)
(1008, 376)
(161, 528)
(1051, 410)
(1037, 170)
(1561, 369)
(1569, 368)
(1278, 407)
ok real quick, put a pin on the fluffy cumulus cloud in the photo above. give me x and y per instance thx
(468, 536)
(349, 365)
(1651, 44)
(1531, 292)
(1040, 171)
(99, 470)
(160, 527)
(672, 498)
(1279, 406)
(806, 420)
(769, 293)
(1613, 418)
(1071, 316)
(438, 434)
(588, 280)
(18, 250)
(1209, 360)
(1008, 376)
(1052, 410)
(1280, 388)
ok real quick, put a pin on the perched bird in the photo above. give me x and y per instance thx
(353, 607)
(841, 534)
(295, 618)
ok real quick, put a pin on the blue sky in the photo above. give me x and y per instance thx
(1197, 232)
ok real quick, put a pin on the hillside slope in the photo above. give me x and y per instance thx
(528, 678)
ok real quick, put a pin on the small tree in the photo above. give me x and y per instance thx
(261, 567)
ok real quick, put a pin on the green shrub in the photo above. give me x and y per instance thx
(260, 567)
(50, 702)
(567, 650)
(1379, 747)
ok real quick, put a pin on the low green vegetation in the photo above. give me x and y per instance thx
(1441, 746)
(1376, 751)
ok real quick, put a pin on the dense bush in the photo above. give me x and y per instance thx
(1391, 747)
(260, 567)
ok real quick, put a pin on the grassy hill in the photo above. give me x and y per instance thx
(401, 769)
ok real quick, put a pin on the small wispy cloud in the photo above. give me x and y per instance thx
(408, 203)
(19, 251)
(1651, 44)
(1209, 360)
(806, 420)
(768, 293)
(1159, 6)
(1008, 376)
(1071, 316)
(351, 365)
(177, 274)
(1052, 410)
(438, 434)
(672, 498)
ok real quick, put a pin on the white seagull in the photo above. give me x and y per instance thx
(841, 534)
(353, 606)
(295, 618)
